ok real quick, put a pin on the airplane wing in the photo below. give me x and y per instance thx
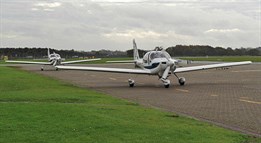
(102, 69)
(80, 61)
(29, 62)
(204, 67)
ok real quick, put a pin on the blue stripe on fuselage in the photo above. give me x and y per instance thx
(154, 65)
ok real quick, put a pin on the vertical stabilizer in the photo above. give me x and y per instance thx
(135, 51)
(48, 53)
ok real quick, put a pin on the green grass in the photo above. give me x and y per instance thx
(34, 108)
(225, 58)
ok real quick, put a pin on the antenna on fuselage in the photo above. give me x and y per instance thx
(135, 51)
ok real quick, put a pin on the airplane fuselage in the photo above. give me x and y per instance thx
(156, 62)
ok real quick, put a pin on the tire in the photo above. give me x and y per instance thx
(131, 85)
(166, 85)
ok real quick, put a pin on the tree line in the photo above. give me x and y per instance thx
(13, 53)
(178, 50)
(201, 50)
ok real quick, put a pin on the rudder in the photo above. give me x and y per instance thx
(135, 51)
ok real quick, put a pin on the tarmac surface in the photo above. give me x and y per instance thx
(229, 98)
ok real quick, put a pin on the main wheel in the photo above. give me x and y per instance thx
(131, 84)
(42, 69)
(182, 81)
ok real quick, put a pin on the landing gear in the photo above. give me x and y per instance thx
(131, 82)
(42, 68)
(166, 86)
(182, 80)
(164, 77)
(166, 82)
(56, 69)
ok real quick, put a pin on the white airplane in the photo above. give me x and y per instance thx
(53, 59)
(157, 62)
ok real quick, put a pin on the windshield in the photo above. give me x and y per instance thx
(148, 57)
(159, 54)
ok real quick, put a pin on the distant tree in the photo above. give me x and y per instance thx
(178, 50)
(141, 53)
(253, 52)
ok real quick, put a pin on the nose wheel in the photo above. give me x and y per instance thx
(42, 68)
(131, 82)
(166, 86)
(166, 82)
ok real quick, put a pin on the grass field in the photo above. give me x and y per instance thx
(225, 58)
(38, 109)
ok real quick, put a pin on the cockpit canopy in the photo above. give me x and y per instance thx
(148, 57)
(55, 56)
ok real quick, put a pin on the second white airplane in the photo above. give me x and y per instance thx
(157, 62)
(53, 59)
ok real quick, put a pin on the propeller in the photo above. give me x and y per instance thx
(54, 62)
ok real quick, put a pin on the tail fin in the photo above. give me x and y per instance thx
(48, 53)
(135, 51)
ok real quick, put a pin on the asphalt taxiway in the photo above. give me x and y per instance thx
(230, 98)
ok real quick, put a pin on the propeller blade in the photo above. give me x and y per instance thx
(55, 62)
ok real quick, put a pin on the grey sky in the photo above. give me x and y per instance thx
(112, 24)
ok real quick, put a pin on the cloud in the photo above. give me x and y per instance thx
(222, 30)
(103, 24)
(136, 34)
(48, 5)
(119, 1)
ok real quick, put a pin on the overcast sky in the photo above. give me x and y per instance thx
(112, 24)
